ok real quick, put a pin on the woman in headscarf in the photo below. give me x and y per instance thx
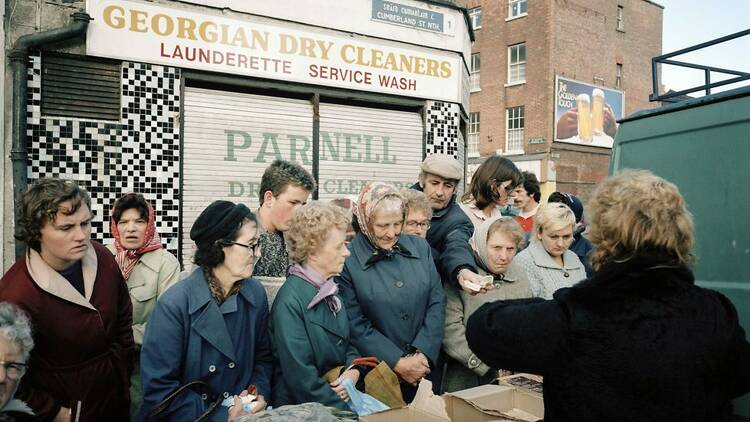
(309, 327)
(213, 325)
(391, 289)
(148, 269)
(495, 243)
(638, 341)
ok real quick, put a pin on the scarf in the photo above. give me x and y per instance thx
(128, 258)
(478, 242)
(371, 194)
(327, 289)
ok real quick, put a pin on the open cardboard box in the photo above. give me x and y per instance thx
(483, 403)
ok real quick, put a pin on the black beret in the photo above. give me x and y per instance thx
(218, 221)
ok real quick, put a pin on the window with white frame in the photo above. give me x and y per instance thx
(516, 8)
(618, 76)
(514, 129)
(474, 134)
(517, 63)
(620, 18)
(475, 16)
(476, 64)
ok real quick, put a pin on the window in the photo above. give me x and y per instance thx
(475, 65)
(475, 16)
(620, 22)
(516, 8)
(517, 63)
(83, 87)
(514, 130)
(473, 134)
(618, 76)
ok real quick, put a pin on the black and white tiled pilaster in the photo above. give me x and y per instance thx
(139, 152)
(443, 134)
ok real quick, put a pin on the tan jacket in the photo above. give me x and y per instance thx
(476, 215)
(155, 272)
(460, 305)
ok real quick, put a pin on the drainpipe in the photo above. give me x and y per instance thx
(19, 58)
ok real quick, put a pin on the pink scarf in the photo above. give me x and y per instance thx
(327, 289)
(128, 258)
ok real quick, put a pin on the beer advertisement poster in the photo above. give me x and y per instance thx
(586, 114)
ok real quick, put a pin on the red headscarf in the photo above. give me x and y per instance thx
(127, 258)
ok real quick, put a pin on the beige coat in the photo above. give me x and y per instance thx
(476, 215)
(459, 307)
(153, 274)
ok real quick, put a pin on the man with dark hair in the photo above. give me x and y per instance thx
(526, 198)
(284, 188)
(74, 293)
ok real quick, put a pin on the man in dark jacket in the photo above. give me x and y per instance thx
(450, 228)
(74, 293)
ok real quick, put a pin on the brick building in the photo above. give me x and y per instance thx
(523, 47)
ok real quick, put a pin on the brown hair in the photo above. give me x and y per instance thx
(636, 211)
(493, 171)
(281, 174)
(41, 203)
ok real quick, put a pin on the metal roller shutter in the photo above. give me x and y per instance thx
(360, 144)
(229, 138)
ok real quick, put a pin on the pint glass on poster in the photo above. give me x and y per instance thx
(583, 103)
(597, 111)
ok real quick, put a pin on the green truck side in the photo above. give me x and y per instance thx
(703, 146)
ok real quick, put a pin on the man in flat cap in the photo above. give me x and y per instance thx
(450, 228)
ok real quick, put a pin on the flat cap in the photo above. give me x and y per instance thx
(443, 165)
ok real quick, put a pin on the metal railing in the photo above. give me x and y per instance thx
(666, 59)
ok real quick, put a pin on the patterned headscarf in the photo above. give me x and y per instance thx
(371, 194)
(128, 258)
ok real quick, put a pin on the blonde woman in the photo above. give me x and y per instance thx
(638, 341)
(548, 262)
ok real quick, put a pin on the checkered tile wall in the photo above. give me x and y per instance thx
(140, 152)
(443, 122)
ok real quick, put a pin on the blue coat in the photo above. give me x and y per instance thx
(449, 234)
(396, 303)
(190, 337)
(307, 343)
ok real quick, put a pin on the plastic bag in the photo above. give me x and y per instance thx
(361, 403)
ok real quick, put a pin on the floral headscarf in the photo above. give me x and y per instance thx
(128, 258)
(371, 194)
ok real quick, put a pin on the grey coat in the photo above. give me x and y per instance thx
(395, 304)
(545, 275)
(464, 368)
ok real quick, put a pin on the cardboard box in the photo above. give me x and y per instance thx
(426, 407)
(483, 403)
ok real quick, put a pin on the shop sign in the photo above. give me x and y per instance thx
(536, 140)
(586, 114)
(261, 48)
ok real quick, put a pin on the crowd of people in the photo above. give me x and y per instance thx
(379, 294)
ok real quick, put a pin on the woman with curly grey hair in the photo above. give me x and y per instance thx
(15, 346)
(309, 325)
(638, 341)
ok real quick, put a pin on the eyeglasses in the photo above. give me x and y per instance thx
(14, 370)
(421, 224)
(253, 248)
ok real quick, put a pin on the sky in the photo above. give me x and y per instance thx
(690, 22)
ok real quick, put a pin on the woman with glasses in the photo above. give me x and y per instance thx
(148, 269)
(392, 291)
(419, 213)
(490, 189)
(15, 346)
(213, 325)
(495, 243)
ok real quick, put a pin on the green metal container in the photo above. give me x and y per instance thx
(703, 146)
